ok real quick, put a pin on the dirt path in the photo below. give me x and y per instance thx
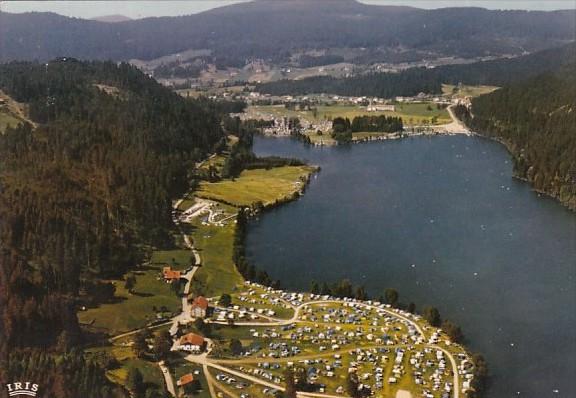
(167, 378)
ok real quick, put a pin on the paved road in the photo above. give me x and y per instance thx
(167, 378)
(456, 127)
(210, 380)
(119, 336)
(215, 363)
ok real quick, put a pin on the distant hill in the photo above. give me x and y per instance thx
(276, 29)
(112, 18)
(536, 120)
(412, 81)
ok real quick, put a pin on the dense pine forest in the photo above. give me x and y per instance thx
(535, 119)
(240, 32)
(413, 81)
(83, 195)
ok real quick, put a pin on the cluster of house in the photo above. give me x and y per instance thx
(282, 126)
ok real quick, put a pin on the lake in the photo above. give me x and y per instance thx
(441, 220)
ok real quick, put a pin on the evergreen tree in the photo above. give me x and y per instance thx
(162, 345)
(290, 391)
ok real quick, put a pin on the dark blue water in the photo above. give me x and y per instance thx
(442, 220)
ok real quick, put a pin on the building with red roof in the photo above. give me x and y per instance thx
(191, 342)
(199, 307)
(170, 275)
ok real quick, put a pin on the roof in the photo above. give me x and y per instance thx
(187, 378)
(192, 339)
(169, 273)
(200, 302)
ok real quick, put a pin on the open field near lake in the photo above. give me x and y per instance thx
(260, 185)
(411, 113)
(217, 274)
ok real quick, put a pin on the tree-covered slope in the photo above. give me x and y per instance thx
(413, 81)
(84, 193)
(536, 119)
(273, 29)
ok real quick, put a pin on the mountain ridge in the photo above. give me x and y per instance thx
(275, 30)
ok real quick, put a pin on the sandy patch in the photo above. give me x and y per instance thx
(403, 394)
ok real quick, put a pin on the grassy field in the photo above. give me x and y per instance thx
(467, 91)
(132, 311)
(182, 367)
(177, 259)
(260, 185)
(218, 274)
(411, 113)
(7, 119)
(125, 356)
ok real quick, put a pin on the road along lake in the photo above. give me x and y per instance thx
(442, 220)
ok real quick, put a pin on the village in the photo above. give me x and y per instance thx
(330, 338)
(311, 116)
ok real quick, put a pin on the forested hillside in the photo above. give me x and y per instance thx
(536, 119)
(82, 196)
(413, 81)
(276, 29)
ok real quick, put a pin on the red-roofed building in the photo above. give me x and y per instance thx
(186, 379)
(170, 274)
(199, 307)
(191, 342)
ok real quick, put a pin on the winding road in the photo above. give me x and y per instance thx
(218, 363)
(207, 363)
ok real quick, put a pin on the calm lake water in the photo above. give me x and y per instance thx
(442, 220)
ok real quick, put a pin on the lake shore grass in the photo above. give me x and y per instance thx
(266, 186)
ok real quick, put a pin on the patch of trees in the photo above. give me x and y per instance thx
(85, 192)
(342, 289)
(407, 83)
(220, 107)
(269, 162)
(308, 61)
(243, 32)
(247, 270)
(381, 124)
(66, 375)
(176, 70)
(342, 128)
(415, 80)
(535, 119)
(481, 374)
(355, 388)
